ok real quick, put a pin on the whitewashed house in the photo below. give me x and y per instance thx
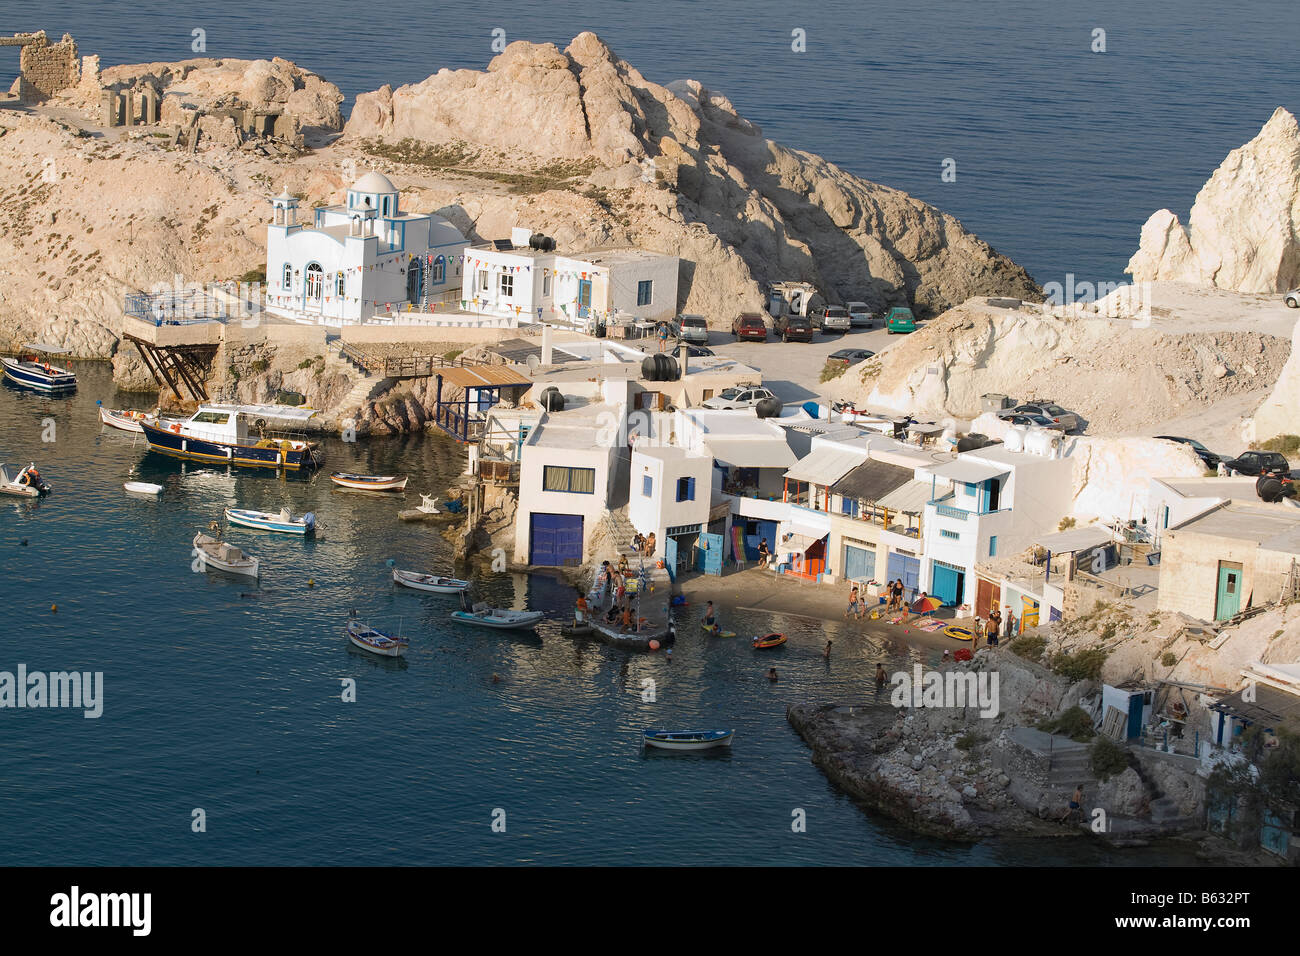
(364, 258)
(669, 497)
(539, 285)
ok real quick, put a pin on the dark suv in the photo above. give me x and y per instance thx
(1259, 463)
(749, 325)
(797, 327)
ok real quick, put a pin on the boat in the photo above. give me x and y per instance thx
(499, 618)
(29, 370)
(212, 552)
(237, 435)
(958, 633)
(768, 641)
(283, 522)
(369, 482)
(26, 482)
(375, 641)
(142, 488)
(429, 582)
(688, 739)
(715, 630)
(127, 419)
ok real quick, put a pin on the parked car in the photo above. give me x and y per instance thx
(1056, 413)
(834, 318)
(693, 329)
(900, 320)
(745, 396)
(749, 325)
(1259, 463)
(1038, 421)
(1292, 299)
(850, 356)
(796, 327)
(860, 315)
(1208, 458)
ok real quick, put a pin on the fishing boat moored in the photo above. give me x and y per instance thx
(29, 370)
(499, 618)
(237, 435)
(429, 582)
(688, 739)
(369, 482)
(126, 419)
(25, 482)
(284, 522)
(212, 552)
(375, 641)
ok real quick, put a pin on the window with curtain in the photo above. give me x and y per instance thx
(579, 481)
(340, 284)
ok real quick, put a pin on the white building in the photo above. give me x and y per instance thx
(669, 497)
(367, 257)
(539, 285)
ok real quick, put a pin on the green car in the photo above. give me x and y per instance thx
(900, 320)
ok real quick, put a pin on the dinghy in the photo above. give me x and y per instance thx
(31, 371)
(214, 553)
(143, 488)
(23, 482)
(768, 641)
(369, 482)
(124, 419)
(376, 642)
(283, 522)
(688, 739)
(429, 582)
(499, 618)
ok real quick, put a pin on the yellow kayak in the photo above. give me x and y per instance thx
(958, 633)
(716, 631)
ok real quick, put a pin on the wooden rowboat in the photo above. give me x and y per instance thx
(283, 522)
(688, 739)
(375, 641)
(224, 556)
(369, 482)
(429, 582)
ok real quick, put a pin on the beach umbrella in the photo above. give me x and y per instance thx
(926, 604)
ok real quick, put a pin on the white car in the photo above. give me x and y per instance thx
(860, 314)
(1292, 299)
(746, 396)
(835, 318)
(693, 329)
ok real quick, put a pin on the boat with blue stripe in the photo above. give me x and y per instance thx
(238, 435)
(284, 522)
(31, 371)
(688, 739)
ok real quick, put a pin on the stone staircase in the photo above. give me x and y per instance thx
(619, 533)
(366, 385)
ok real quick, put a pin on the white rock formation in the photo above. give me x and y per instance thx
(1245, 225)
(1279, 414)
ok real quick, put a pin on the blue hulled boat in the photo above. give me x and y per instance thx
(283, 522)
(237, 435)
(31, 371)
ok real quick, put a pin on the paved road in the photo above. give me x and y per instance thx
(791, 370)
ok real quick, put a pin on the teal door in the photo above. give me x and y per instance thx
(708, 554)
(670, 557)
(584, 297)
(859, 563)
(1228, 601)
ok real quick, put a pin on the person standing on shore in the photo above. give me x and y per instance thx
(994, 627)
(764, 555)
(853, 603)
(1011, 626)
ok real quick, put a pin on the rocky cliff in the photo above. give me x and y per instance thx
(1244, 229)
(677, 169)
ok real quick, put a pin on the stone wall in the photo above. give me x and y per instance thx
(50, 67)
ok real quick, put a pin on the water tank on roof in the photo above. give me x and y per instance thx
(552, 400)
(768, 408)
(1015, 440)
(1042, 441)
(650, 368)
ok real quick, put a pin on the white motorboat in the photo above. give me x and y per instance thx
(25, 482)
(500, 618)
(143, 488)
(283, 522)
(212, 552)
(429, 582)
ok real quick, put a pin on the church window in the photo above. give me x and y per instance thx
(439, 271)
(288, 276)
(315, 281)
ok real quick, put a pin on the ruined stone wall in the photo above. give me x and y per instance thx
(50, 67)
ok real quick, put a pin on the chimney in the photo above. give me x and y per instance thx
(682, 352)
(546, 345)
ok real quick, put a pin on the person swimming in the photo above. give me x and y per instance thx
(710, 620)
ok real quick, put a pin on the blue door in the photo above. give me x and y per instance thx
(1135, 716)
(670, 557)
(584, 298)
(948, 583)
(708, 554)
(859, 563)
(555, 540)
(909, 569)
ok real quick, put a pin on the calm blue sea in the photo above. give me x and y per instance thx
(225, 695)
(1061, 153)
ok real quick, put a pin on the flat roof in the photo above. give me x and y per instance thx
(618, 254)
(1234, 489)
(574, 428)
(826, 464)
(482, 376)
(756, 451)
(963, 469)
(1278, 525)
(1075, 539)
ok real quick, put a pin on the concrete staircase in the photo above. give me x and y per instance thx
(366, 385)
(619, 532)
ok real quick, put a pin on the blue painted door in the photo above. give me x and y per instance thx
(907, 568)
(555, 540)
(709, 554)
(1228, 601)
(670, 557)
(946, 583)
(1134, 716)
(859, 563)
(1273, 835)
(584, 297)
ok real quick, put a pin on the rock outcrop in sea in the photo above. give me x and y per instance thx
(1243, 233)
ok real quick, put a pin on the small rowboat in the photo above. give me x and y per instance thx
(499, 618)
(369, 482)
(143, 488)
(376, 642)
(429, 582)
(715, 630)
(958, 633)
(23, 482)
(688, 739)
(125, 419)
(283, 522)
(213, 553)
(768, 640)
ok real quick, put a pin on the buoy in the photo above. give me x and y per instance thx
(496, 678)
(654, 646)
(311, 583)
(24, 542)
(54, 609)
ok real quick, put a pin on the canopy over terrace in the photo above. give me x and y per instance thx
(462, 416)
(819, 471)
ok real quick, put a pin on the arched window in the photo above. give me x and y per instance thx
(315, 281)
(439, 271)
(340, 284)
(288, 276)
(385, 207)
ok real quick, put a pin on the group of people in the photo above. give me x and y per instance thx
(623, 604)
(859, 605)
(644, 544)
(991, 630)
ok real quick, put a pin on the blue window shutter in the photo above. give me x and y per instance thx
(647, 486)
(993, 546)
(690, 489)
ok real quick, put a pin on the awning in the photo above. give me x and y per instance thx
(481, 376)
(872, 480)
(826, 465)
(757, 452)
(281, 413)
(797, 543)
(963, 469)
(43, 347)
(1271, 707)
(909, 499)
(1076, 539)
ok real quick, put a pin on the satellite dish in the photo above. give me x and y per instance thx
(534, 363)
